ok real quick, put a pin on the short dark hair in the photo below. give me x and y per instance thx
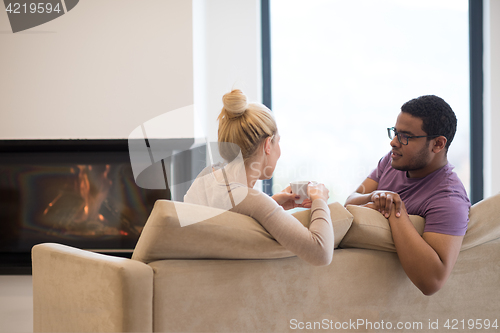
(437, 116)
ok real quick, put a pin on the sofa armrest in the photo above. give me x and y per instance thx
(81, 291)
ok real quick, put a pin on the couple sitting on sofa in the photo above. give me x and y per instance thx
(415, 178)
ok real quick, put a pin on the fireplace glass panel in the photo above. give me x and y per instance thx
(84, 199)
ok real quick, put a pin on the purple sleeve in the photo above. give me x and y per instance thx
(448, 215)
(379, 170)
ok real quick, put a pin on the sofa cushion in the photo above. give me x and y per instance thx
(484, 222)
(220, 234)
(371, 230)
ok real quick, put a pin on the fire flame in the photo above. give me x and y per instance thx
(51, 204)
(92, 187)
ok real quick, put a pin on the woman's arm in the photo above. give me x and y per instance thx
(314, 245)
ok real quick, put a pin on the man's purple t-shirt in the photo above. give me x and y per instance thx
(439, 197)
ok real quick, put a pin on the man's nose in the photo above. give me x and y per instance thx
(395, 142)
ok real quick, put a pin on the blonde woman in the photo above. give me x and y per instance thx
(248, 139)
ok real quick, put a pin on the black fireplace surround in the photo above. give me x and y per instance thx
(80, 193)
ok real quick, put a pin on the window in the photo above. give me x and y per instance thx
(341, 71)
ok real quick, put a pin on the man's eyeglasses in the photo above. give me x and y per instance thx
(403, 138)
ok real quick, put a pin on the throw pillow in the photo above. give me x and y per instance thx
(371, 230)
(224, 235)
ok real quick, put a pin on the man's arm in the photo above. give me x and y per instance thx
(363, 194)
(382, 201)
(428, 259)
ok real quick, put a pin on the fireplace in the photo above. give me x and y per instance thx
(79, 193)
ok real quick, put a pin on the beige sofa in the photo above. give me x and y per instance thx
(227, 274)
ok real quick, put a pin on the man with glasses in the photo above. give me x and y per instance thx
(415, 178)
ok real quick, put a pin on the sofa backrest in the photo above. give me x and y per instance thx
(209, 233)
(484, 222)
(371, 230)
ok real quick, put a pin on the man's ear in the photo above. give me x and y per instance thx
(439, 144)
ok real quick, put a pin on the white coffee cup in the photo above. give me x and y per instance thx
(300, 188)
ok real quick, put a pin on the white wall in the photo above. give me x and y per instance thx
(97, 72)
(491, 97)
(107, 66)
(233, 53)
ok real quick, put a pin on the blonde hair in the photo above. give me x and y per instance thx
(244, 124)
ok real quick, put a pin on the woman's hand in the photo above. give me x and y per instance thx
(307, 203)
(286, 198)
(317, 191)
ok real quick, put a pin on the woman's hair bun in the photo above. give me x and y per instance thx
(235, 103)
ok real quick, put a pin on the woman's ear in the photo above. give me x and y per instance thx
(267, 146)
(439, 144)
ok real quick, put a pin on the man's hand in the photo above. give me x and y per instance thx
(367, 195)
(383, 201)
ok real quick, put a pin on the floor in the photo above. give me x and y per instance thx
(16, 304)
